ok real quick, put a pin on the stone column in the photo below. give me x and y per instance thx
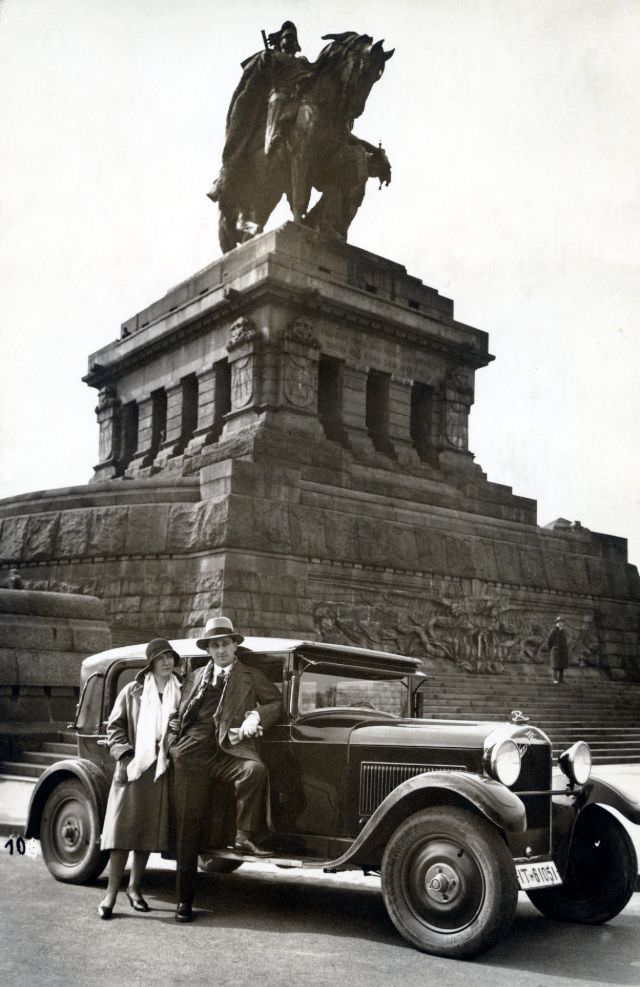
(245, 351)
(298, 397)
(400, 421)
(208, 428)
(143, 456)
(458, 398)
(108, 415)
(172, 445)
(354, 411)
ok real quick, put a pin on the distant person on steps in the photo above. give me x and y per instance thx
(558, 645)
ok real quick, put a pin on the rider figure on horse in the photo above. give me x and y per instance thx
(289, 130)
(289, 71)
(265, 102)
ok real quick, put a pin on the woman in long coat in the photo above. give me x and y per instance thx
(137, 816)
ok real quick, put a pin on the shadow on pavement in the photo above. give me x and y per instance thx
(266, 900)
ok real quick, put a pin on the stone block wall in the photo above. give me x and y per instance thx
(44, 638)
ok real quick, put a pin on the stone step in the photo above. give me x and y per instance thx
(42, 758)
(616, 759)
(61, 749)
(21, 769)
(559, 695)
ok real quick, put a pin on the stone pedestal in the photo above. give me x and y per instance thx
(286, 441)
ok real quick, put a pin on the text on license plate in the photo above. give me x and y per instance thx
(542, 875)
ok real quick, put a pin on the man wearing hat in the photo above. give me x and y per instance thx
(558, 646)
(224, 707)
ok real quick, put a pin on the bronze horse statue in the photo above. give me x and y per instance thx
(289, 130)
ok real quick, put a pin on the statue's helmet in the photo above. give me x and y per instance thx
(275, 38)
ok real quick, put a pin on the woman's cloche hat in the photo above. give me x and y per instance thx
(156, 648)
(218, 627)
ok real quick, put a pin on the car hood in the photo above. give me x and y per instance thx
(461, 734)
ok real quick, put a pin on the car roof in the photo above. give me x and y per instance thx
(316, 651)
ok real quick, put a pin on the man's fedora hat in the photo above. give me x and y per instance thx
(156, 648)
(218, 627)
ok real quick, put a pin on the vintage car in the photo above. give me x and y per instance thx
(455, 816)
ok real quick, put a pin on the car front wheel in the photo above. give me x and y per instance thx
(448, 882)
(601, 873)
(69, 835)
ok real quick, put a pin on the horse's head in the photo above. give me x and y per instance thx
(358, 63)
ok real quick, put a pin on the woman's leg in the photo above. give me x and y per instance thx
(117, 861)
(138, 867)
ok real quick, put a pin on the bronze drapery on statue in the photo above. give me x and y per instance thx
(289, 130)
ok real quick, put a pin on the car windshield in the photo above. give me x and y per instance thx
(324, 690)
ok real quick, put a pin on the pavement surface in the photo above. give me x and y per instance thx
(276, 928)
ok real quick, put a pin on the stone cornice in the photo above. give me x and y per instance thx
(235, 302)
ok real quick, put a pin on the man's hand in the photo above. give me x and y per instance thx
(251, 725)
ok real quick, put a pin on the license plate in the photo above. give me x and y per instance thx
(541, 875)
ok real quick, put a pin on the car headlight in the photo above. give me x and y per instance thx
(505, 762)
(575, 762)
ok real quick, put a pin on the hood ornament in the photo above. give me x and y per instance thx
(517, 716)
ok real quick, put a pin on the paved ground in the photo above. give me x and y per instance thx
(277, 929)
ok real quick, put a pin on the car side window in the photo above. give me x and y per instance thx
(119, 675)
(323, 690)
(90, 705)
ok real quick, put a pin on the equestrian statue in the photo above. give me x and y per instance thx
(289, 130)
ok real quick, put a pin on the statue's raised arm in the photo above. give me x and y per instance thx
(289, 130)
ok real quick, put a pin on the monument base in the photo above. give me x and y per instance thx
(283, 438)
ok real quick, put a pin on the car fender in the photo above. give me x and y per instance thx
(568, 806)
(599, 790)
(93, 779)
(502, 807)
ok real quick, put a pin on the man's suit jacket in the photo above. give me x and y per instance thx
(246, 689)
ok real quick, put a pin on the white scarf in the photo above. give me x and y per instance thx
(152, 726)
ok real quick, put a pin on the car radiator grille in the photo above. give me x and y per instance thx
(379, 778)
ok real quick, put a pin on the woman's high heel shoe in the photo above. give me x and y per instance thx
(105, 911)
(137, 902)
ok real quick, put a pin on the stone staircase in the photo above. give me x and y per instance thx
(587, 706)
(28, 755)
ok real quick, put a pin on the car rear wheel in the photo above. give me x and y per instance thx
(601, 873)
(70, 833)
(449, 883)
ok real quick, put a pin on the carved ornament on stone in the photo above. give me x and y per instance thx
(299, 381)
(456, 425)
(303, 332)
(107, 398)
(460, 381)
(241, 382)
(242, 331)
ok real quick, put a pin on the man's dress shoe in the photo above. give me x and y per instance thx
(184, 913)
(249, 847)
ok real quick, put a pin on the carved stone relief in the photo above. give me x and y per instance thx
(299, 381)
(242, 331)
(457, 424)
(483, 634)
(106, 409)
(241, 382)
(303, 332)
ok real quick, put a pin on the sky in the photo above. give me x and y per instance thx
(512, 131)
